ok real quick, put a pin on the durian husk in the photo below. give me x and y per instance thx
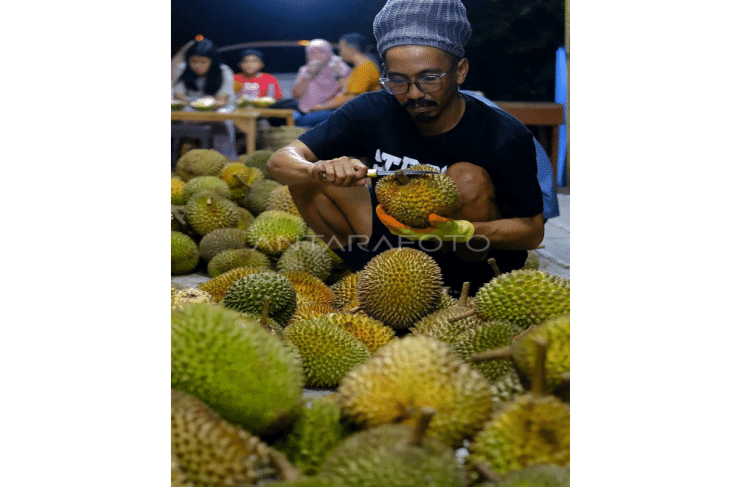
(211, 452)
(400, 286)
(218, 286)
(413, 202)
(415, 371)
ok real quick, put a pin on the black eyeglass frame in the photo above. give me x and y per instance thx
(440, 78)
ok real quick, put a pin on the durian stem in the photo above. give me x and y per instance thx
(487, 472)
(538, 385)
(469, 313)
(493, 264)
(401, 177)
(265, 315)
(354, 310)
(240, 179)
(493, 354)
(523, 333)
(288, 472)
(427, 413)
(209, 201)
(464, 293)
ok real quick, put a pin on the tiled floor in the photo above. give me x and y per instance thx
(554, 253)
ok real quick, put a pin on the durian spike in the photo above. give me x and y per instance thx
(487, 472)
(538, 384)
(287, 471)
(427, 413)
(464, 293)
(469, 313)
(402, 178)
(493, 264)
(493, 354)
(241, 180)
(355, 309)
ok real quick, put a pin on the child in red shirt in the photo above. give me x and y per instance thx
(252, 83)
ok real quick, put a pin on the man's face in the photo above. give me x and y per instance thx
(414, 62)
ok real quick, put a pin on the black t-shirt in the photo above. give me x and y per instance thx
(375, 127)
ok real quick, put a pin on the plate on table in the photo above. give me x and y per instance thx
(205, 103)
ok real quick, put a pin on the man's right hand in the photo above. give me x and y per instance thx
(343, 171)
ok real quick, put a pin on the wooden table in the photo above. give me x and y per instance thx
(284, 113)
(543, 114)
(244, 118)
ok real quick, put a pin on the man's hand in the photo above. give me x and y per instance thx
(444, 229)
(343, 171)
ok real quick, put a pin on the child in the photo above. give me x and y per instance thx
(252, 82)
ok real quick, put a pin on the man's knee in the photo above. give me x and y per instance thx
(477, 194)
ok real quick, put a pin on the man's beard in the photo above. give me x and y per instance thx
(423, 103)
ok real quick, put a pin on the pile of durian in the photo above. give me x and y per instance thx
(289, 369)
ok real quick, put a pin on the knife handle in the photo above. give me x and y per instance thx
(370, 174)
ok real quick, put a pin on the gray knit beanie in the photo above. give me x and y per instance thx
(436, 23)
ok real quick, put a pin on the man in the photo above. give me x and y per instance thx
(420, 118)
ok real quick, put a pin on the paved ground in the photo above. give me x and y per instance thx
(555, 254)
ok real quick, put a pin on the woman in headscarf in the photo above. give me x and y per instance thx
(364, 77)
(319, 80)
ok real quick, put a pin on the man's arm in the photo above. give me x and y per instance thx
(512, 233)
(296, 164)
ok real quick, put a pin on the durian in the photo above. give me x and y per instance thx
(240, 370)
(183, 253)
(228, 259)
(399, 286)
(206, 211)
(249, 293)
(328, 352)
(394, 455)
(209, 451)
(411, 199)
(415, 371)
(273, 231)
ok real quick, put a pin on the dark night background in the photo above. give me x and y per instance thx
(511, 50)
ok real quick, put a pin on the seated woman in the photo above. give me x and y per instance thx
(318, 81)
(204, 74)
(252, 82)
(364, 77)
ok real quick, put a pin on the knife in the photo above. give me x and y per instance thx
(372, 173)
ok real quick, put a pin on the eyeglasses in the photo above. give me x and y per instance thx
(399, 85)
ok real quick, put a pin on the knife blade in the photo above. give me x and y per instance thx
(372, 173)
(382, 172)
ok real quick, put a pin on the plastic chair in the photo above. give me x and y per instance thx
(550, 208)
(178, 131)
